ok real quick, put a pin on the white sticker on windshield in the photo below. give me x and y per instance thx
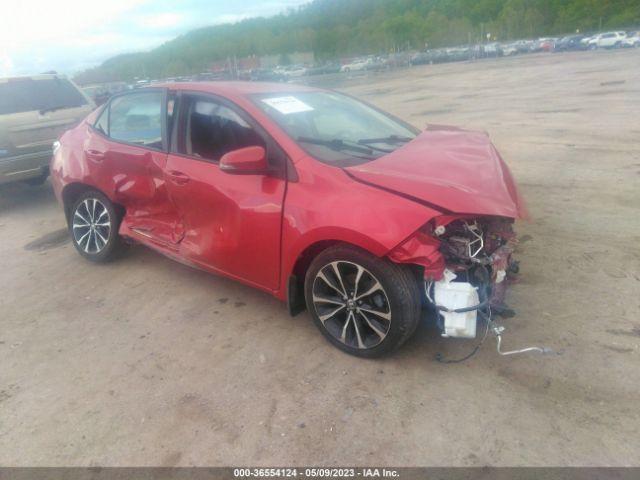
(287, 105)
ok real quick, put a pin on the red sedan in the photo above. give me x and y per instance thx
(310, 195)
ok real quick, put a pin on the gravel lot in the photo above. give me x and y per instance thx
(147, 362)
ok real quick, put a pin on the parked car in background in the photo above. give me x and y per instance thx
(376, 63)
(632, 40)
(420, 58)
(607, 40)
(295, 71)
(323, 69)
(307, 194)
(519, 46)
(266, 75)
(526, 46)
(586, 42)
(492, 50)
(510, 49)
(545, 44)
(98, 93)
(428, 57)
(34, 111)
(400, 59)
(459, 54)
(357, 65)
(570, 42)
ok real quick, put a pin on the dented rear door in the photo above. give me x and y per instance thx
(127, 155)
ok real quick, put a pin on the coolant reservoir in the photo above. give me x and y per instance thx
(454, 295)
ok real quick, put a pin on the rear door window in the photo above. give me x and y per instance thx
(136, 118)
(38, 94)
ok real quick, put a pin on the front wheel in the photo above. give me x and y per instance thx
(364, 305)
(94, 225)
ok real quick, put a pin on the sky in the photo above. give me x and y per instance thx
(71, 35)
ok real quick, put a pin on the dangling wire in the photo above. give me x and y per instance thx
(440, 358)
(486, 317)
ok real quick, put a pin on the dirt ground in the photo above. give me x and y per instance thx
(147, 362)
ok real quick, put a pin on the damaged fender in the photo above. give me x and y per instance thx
(478, 248)
(423, 250)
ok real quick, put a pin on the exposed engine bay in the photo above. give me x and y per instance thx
(479, 251)
(468, 266)
(477, 254)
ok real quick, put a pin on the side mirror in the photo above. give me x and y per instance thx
(245, 161)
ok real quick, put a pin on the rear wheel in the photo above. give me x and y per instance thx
(94, 225)
(364, 305)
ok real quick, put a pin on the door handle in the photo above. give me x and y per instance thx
(178, 178)
(95, 155)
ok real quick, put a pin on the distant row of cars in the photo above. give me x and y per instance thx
(606, 40)
(370, 62)
(600, 40)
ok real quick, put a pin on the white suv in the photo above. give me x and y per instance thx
(607, 40)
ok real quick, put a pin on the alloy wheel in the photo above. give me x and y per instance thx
(91, 226)
(351, 304)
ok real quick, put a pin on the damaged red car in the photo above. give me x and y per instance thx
(313, 196)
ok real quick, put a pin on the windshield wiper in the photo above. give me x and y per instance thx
(337, 144)
(391, 139)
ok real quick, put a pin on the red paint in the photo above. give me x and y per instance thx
(421, 249)
(245, 161)
(254, 227)
(458, 170)
(231, 223)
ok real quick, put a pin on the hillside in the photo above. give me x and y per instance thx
(335, 28)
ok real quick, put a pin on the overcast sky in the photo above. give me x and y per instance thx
(71, 35)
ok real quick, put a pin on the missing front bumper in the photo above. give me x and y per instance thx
(459, 306)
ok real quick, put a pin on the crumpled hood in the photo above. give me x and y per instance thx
(457, 170)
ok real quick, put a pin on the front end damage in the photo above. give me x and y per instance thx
(467, 265)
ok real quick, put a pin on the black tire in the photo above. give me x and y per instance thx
(399, 298)
(103, 244)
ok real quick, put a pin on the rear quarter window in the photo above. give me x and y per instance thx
(137, 118)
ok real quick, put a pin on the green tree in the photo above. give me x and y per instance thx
(338, 28)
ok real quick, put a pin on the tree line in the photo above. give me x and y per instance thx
(340, 28)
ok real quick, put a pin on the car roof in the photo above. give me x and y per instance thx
(234, 88)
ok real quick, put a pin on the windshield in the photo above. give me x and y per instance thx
(43, 95)
(335, 128)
